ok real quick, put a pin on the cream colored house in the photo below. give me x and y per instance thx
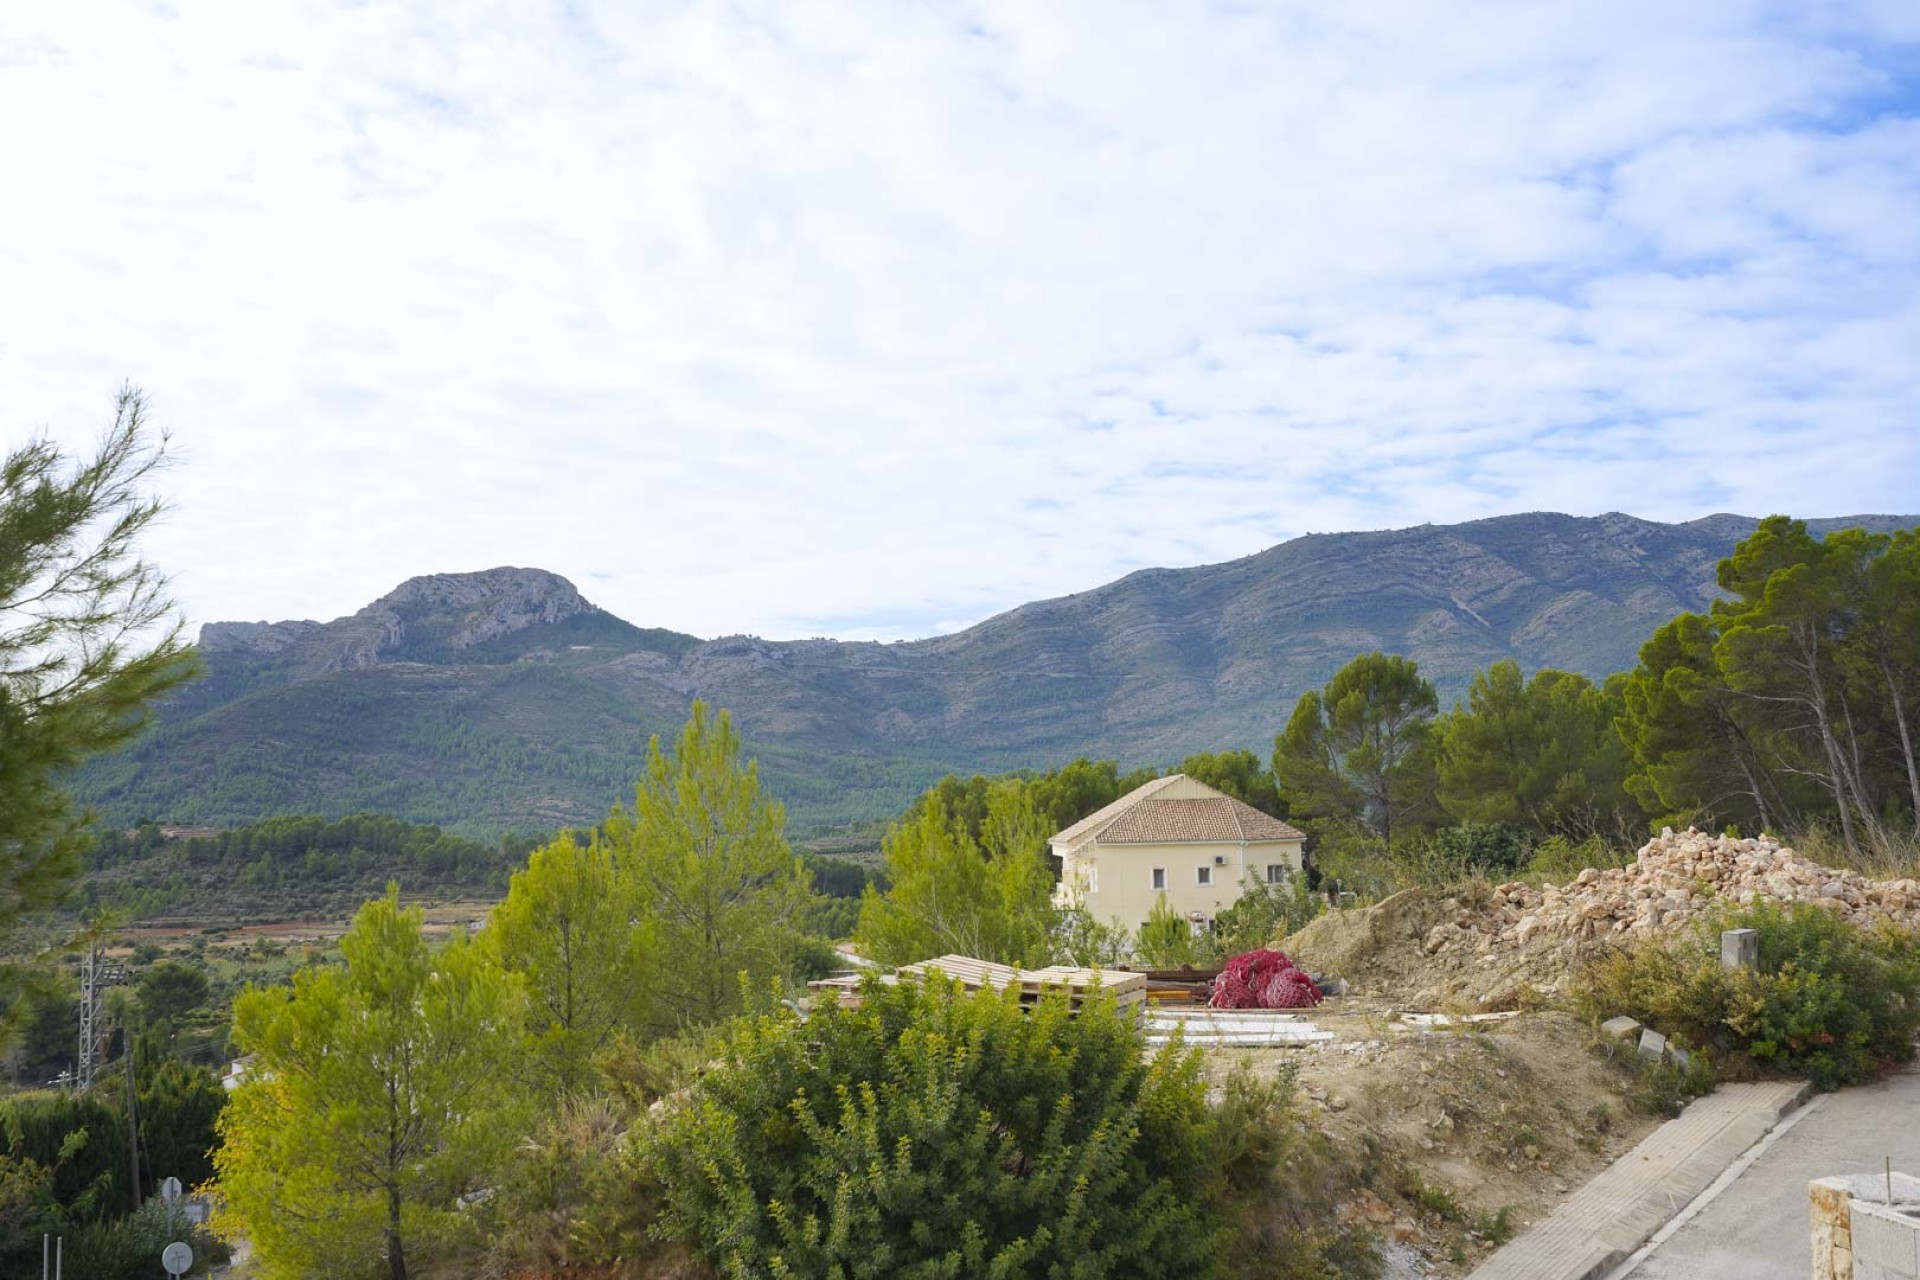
(1174, 836)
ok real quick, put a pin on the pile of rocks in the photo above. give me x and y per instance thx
(1675, 879)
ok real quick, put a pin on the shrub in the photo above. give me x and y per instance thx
(1283, 1185)
(1167, 940)
(570, 1199)
(1489, 848)
(1557, 859)
(1264, 914)
(1831, 1001)
(129, 1248)
(931, 1132)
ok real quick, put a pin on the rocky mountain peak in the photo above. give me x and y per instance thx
(438, 613)
(477, 607)
(430, 617)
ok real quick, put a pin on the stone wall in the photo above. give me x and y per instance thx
(1857, 1235)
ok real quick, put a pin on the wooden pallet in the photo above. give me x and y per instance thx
(1077, 984)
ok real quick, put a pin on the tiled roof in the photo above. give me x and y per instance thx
(1224, 820)
(1143, 816)
(1101, 817)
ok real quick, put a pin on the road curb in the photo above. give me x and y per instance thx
(1604, 1222)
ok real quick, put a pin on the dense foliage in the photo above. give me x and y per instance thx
(953, 893)
(88, 640)
(580, 937)
(64, 1166)
(1796, 699)
(705, 850)
(932, 1133)
(376, 1097)
(1829, 1001)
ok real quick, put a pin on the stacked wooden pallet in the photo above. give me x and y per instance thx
(1077, 984)
(973, 974)
(1232, 1028)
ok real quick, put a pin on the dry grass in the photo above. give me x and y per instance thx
(1883, 854)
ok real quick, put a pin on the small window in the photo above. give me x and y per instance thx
(1205, 875)
(1159, 877)
(1276, 873)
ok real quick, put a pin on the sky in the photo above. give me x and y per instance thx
(873, 320)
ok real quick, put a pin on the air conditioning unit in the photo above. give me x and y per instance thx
(1219, 859)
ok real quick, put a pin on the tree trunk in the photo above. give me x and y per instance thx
(1816, 699)
(1895, 696)
(133, 1123)
(1753, 789)
(396, 1248)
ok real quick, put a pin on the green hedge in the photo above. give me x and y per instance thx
(1831, 1001)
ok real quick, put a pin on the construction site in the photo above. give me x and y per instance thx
(1476, 1123)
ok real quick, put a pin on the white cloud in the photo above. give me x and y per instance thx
(862, 320)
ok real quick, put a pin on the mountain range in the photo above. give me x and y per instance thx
(506, 700)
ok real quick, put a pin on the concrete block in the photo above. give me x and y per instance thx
(1621, 1028)
(1740, 949)
(1887, 1239)
(1652, 1044)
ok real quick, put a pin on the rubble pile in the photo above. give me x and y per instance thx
(1676, 878)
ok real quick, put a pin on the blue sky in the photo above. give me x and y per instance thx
(874, 320)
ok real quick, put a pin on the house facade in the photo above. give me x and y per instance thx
(1176, 836)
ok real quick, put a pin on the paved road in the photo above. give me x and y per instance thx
(1757, 1228)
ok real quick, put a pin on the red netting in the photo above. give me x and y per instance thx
(1263, 979)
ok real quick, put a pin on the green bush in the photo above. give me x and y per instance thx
(129, 1248)
(933, 1133)
(1556, 860)
(1167, 940)
(1264, 914)
(1831, 1001)
(79, 1140)
(1485, 848)
(1282, 1186)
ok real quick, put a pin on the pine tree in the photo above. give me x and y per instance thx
(706, 850)
(376, 1098)
(88, 639)
(1359, 750)
(573, 929)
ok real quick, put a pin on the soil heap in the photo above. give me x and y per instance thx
(1486, 947)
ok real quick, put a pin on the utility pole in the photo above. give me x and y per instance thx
(133, 1119)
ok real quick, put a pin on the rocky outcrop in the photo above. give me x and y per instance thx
(430, 618)
(263, 639)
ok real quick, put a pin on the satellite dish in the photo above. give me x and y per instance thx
(170, 1190)
(177, 1258)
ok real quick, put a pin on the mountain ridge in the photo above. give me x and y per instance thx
(506, 698)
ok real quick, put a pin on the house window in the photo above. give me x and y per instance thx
(1204, 876)
(1159, 877)
(1276, 873)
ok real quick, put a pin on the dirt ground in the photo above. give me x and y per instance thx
(1458, 1136)
(441, 919)
(1381, 952)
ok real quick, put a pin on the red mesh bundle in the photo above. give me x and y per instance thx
(1263, 979)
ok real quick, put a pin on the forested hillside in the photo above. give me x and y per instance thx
(505, 701)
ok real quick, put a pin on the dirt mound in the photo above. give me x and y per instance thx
(1369, 945)
(1488, 947)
